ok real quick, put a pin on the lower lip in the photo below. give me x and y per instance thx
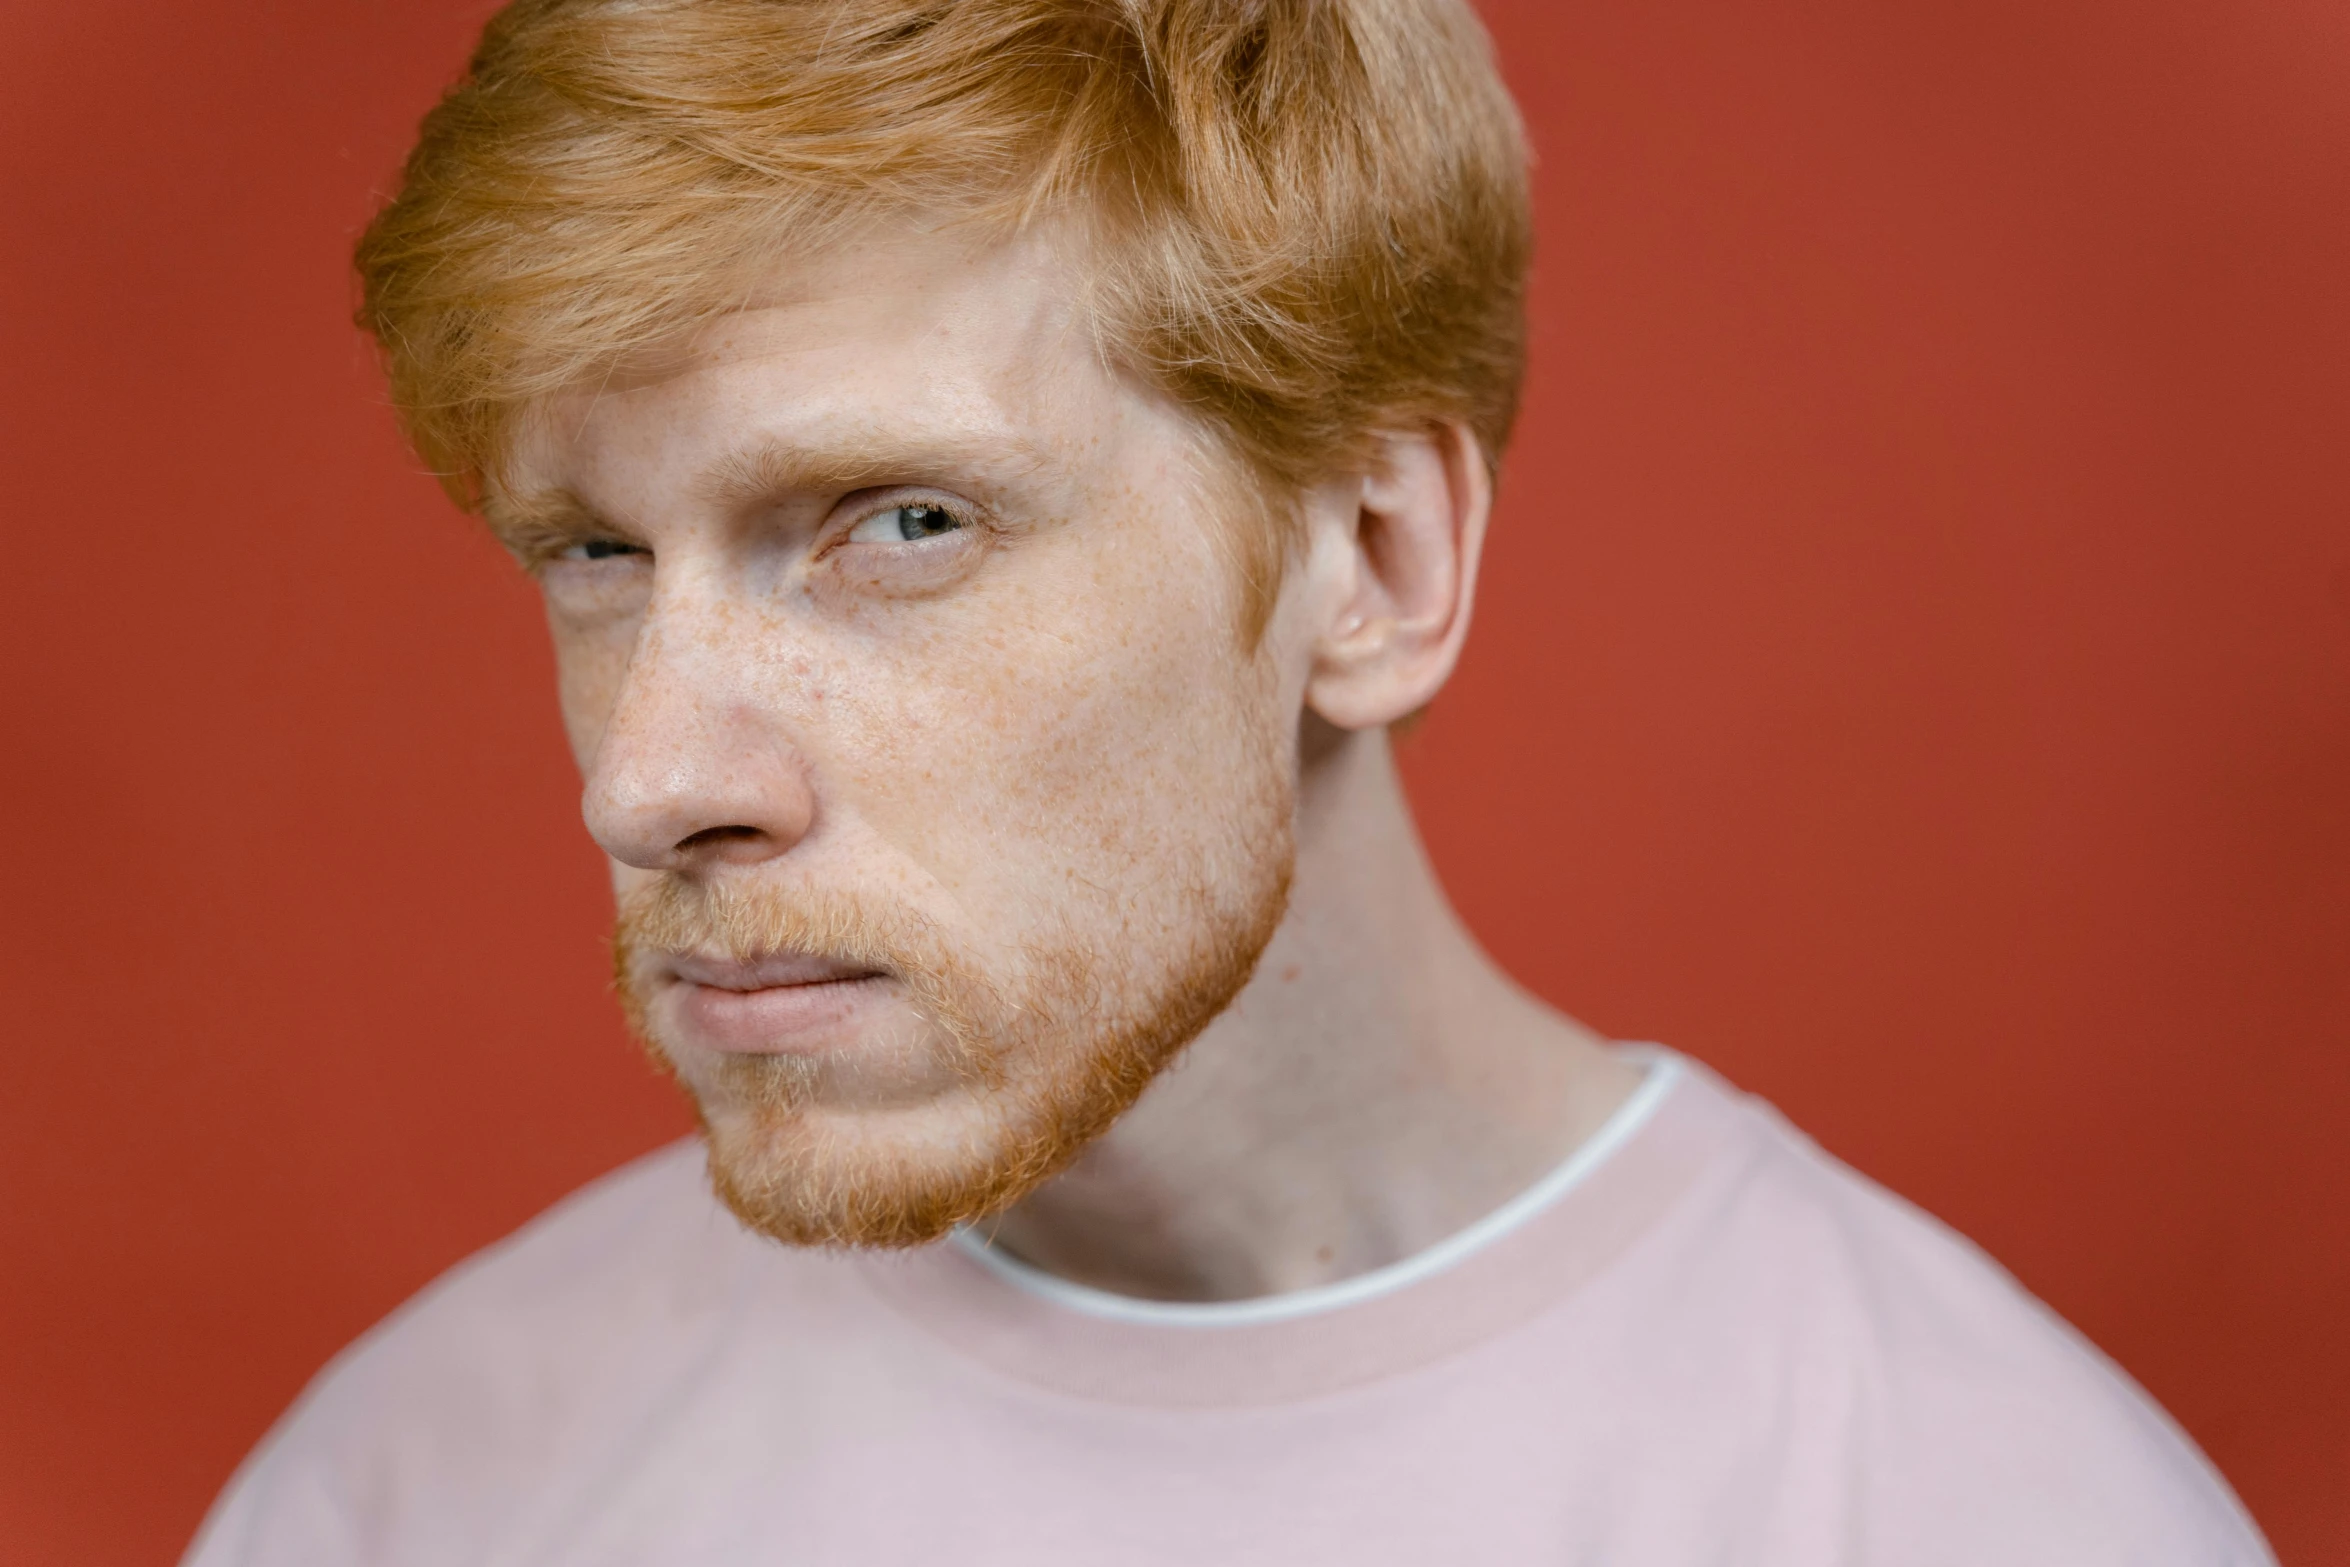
(779, 1020)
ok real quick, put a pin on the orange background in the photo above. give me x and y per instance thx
(1913, 675)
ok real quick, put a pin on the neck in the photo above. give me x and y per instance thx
(1378, 1085)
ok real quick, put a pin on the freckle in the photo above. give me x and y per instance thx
(1324, 1254)
(1290, 973)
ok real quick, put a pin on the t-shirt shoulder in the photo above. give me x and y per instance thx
(548, 1332)
(1967, 1401)
(645, 1241)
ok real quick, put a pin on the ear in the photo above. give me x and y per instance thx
(1394, 627)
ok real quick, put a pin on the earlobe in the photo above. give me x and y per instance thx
(1418, 528)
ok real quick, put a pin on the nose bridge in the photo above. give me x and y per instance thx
(694, 761)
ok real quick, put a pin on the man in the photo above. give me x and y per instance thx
(996, 470)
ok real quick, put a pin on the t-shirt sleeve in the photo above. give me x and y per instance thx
(1995, 1434)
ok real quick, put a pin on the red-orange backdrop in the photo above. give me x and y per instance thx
(1914, 675)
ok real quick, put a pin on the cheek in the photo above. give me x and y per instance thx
(589, 669)
(593, 618)
(1085, 724)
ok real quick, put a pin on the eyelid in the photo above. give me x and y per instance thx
(542, 545)
(540, 555)
(620, 548)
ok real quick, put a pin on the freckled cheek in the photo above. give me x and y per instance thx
(1026, 761)
(943, 742)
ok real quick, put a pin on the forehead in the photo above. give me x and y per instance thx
(900, 347)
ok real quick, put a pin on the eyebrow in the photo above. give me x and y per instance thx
(771, 466)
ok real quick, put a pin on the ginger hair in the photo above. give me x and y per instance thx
(1307, 219)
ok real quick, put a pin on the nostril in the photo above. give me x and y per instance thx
(714, 837)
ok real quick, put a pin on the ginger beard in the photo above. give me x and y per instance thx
(992, 1081)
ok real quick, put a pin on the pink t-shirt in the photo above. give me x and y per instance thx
(1701, 1341)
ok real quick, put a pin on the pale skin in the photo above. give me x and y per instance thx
(888, 584)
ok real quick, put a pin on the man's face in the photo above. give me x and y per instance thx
(900, 646)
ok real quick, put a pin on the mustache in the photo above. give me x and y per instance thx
(745, 922)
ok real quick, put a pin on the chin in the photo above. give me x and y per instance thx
(821, 1175)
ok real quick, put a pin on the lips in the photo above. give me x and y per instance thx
(773, 971)
(785, 1003)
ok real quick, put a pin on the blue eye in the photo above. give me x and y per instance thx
(909, 524)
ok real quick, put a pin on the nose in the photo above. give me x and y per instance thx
(692, 770)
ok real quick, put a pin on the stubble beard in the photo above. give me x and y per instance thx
(1041, 1064)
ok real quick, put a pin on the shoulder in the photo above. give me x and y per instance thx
(1975, 1423)
(641, 1248)
(493, 1382)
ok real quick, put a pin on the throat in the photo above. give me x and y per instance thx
(1377, 1087)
